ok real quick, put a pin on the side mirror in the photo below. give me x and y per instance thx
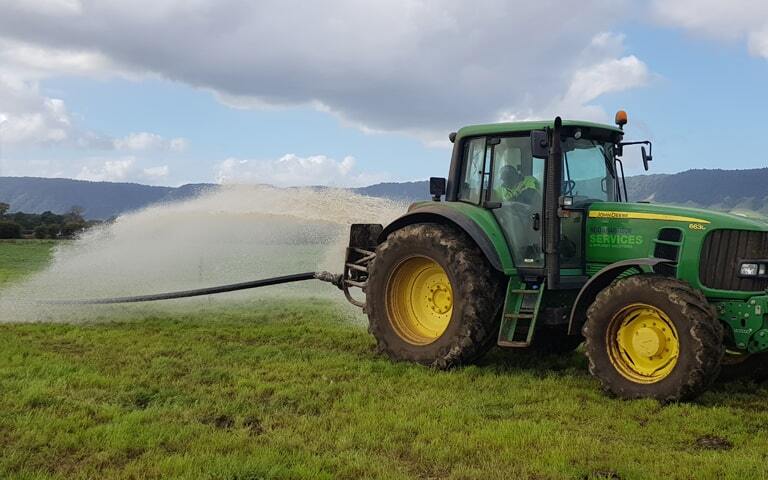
(539, 144)
(646, 158)
(436, 187)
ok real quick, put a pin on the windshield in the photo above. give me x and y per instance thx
(588, 170)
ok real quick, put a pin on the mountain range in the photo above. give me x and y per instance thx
(99, 200)
(727, 190)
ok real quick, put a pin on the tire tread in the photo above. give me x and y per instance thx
(703, 326)
(480, 283)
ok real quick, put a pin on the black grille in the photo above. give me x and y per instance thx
(668, 251)
(721, 258)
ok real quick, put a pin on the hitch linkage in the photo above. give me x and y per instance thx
(363, 239)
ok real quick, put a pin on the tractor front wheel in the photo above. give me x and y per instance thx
(653, 336)
(432, 297)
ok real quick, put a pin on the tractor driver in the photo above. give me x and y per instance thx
(517, 188)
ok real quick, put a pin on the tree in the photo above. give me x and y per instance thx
(70, 229)
(4, 207)
(75, 214)
(53, 230)
(9, 229)
(41, 231)
(49, 218)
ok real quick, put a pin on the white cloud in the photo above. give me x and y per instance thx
(56, 7)
(178, 144)
(734, 20)
(109, 171)
(36, 118)
(143, 141)
(758, 42)
(614, 75)
(293, 170)
(139, 141)
(607, 74)
(122, 169)
(157, 172)
(422, 67)
(34, 62)
(31, 117)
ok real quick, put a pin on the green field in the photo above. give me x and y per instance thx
(20, 257)
(294, 389)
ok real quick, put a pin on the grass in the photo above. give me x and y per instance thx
(20, 257)
(292, 389)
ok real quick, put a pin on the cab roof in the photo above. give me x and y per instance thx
(510, 127)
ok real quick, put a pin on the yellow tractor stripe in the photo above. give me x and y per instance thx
(643, 216)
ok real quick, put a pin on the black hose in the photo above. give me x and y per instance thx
(297, 277)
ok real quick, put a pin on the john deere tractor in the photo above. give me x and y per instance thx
(532, 242)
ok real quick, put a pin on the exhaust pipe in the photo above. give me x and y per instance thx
(553, 184)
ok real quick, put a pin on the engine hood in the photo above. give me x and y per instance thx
(675, 215)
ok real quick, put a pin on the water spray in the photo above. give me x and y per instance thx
(258, 235)
(360, 252)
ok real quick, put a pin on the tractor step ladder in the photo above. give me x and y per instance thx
(520, 311)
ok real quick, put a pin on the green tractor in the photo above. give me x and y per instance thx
(536, 245)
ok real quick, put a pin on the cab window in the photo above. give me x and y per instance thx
(516, 175)
(473, 163)
(586, 176)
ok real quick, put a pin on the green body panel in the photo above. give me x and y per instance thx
(747, 322)
(485, 220)
(614, 236)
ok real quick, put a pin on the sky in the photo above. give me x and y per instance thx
(356, 92)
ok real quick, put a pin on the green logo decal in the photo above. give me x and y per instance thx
(614, 237)
(621, 241)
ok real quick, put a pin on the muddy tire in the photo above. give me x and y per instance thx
(432, 297)
(650, 336)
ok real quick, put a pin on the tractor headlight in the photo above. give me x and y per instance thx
(749, 269)
(754, 269)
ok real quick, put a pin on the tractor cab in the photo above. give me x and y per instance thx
(503, 168)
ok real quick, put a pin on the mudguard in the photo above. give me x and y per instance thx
(478, 223)
(599, 281)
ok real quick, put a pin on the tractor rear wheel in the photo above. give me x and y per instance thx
(653, 336)
(432, 297)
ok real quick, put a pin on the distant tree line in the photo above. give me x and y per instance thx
(43, 225)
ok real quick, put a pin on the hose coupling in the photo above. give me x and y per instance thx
(329, 277)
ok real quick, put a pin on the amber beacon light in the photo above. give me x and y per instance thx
(621, 118)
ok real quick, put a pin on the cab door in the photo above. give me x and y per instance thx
(511, 165)
(586, 179)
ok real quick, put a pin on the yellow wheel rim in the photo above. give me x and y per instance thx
(419, 300)
(642, 343)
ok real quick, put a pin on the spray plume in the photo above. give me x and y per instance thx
(230, 234)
